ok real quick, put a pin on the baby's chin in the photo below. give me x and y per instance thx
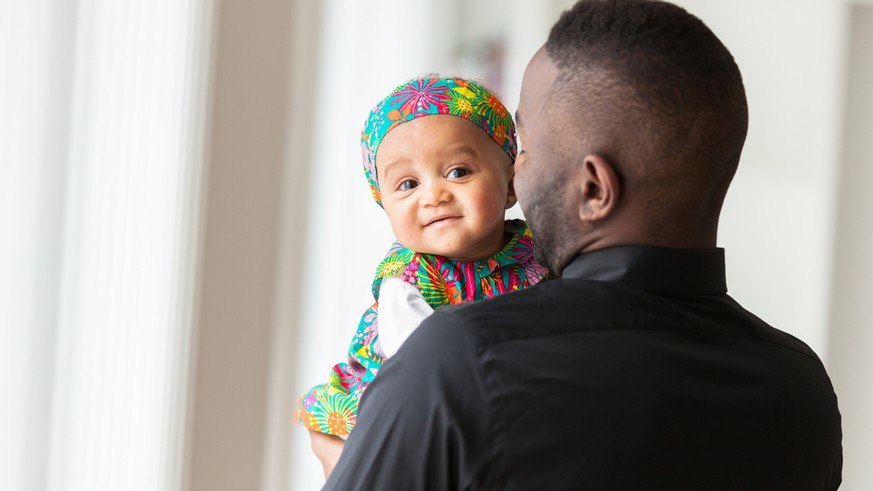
(452, 253)
(459, 249)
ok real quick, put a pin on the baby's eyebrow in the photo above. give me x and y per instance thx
(462, 148)
(517, 119)
(391, 167)
(385, 169)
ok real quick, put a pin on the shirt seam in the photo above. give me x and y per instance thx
(493, 433)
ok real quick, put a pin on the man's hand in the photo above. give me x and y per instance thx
(328, 449)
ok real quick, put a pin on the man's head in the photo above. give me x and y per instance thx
(631, 121)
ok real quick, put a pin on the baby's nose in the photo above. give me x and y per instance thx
(436, 193)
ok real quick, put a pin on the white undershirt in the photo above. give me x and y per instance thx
(401, 310)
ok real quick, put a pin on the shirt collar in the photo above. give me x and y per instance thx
(656, 269)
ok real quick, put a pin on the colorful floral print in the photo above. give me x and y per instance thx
(325, 408)
(332, 408)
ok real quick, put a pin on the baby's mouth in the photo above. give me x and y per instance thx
(441, 219)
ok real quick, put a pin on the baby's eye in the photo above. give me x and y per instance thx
(457, 173)
(407, 185)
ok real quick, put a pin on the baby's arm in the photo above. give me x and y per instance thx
(401, 310)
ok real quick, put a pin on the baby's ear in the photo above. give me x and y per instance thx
(511, 199)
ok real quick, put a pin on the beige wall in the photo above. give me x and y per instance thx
(246, 285)
(851, 319)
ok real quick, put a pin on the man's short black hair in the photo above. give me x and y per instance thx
(669, 81)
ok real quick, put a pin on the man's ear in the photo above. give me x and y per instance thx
(511, 199)
(599, 188)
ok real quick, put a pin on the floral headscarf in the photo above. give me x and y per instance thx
(429, 96)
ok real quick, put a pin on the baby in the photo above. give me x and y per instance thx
(438, 154)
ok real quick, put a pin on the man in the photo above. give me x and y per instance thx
(633, 369)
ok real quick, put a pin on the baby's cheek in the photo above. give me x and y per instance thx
(492, 205)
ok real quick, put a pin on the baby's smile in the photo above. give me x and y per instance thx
(442, 220)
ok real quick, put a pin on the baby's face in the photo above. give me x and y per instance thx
(445, 185)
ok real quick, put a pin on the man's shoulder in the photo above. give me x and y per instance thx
(542, 310)
(577, 306)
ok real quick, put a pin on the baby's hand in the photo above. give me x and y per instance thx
(328, 449)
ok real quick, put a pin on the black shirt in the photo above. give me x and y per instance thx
(633, 371)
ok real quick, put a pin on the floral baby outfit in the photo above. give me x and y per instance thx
(332, 408)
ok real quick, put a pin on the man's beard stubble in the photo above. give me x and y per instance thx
(552, 234)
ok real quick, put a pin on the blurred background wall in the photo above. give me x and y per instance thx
(188, 240)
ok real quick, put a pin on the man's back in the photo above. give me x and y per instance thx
(633, 371)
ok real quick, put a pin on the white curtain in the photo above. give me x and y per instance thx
(100, 167)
